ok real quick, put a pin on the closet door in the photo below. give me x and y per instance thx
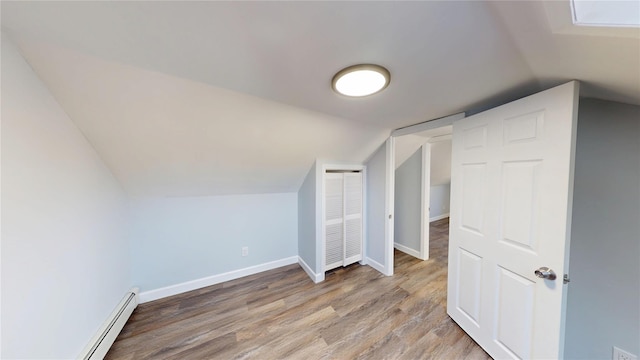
(334, 220)
(352, 218)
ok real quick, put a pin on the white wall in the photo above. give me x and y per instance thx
(439, 198)
(603, 304)
(406, 146)
(408, 200)
(175, 240)
(441, 162)
(307, 219)
(65, 260)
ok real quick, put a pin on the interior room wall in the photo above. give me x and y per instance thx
(178, 240)
(440, 162)
(65, 258)
(375, 244)
(408, 187)
(307, 220)
(439, 201)
(603, 307)
(440, 179)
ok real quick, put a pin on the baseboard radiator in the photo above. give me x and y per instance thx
(102, 341)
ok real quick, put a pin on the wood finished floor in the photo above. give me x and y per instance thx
(356, 313)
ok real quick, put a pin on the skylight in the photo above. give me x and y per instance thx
(624, 13)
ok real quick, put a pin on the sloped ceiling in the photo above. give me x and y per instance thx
(207, 98)
(607, 64)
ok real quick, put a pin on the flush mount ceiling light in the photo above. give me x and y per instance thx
(361, 80)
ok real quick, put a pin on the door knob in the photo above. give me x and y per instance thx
(545, 273)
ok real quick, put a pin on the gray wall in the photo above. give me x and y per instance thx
(408, 190)
(604, 294)
(65, 258)
(307, 219)
(439, 200)
(176, 240)
(376, 217)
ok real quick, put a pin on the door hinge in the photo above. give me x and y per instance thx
(565, 279)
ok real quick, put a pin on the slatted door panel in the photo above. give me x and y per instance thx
(334, 220)
(353, 217)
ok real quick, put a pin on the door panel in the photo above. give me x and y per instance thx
(512, 178)
(474, 194)
(520, 185)
(469, 284)
(334, 220)
(353, 217)
(514, 318)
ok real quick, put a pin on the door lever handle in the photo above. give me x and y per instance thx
(545, 273)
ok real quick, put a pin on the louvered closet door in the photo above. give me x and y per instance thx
(352, 217)
(334, 220)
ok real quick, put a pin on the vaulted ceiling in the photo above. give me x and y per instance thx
(209, 98)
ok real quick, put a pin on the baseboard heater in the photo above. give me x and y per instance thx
(102, 341)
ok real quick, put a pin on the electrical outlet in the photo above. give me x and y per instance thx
(619, 354)
(245, 250)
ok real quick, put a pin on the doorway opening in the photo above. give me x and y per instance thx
(421, 187)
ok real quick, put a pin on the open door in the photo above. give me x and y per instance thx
(379, 187)
(511, 196)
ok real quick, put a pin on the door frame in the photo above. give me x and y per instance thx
(425, 200)
(426, 172)
(320, 218)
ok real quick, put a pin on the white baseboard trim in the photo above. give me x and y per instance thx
(376, 265)
(315, 277)
(214, 279)
(407, 250)
(439, 217)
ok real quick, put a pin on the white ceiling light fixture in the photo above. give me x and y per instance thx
(361, 80)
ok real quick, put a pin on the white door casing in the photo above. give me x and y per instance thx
(511, 196)
(425, 200)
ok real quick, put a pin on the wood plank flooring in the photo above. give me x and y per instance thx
(356, 313)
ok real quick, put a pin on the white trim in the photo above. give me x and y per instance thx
(319, 217)
(214, 279)
(376, 265)
(425, 200)
(315, 277)
(365, 234)
(428, 125)
(389, 201)
(439, 217)
(408, 250)
(440, 138)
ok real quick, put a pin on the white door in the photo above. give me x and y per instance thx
(334, 220)
(352, 217)
(511, 195)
